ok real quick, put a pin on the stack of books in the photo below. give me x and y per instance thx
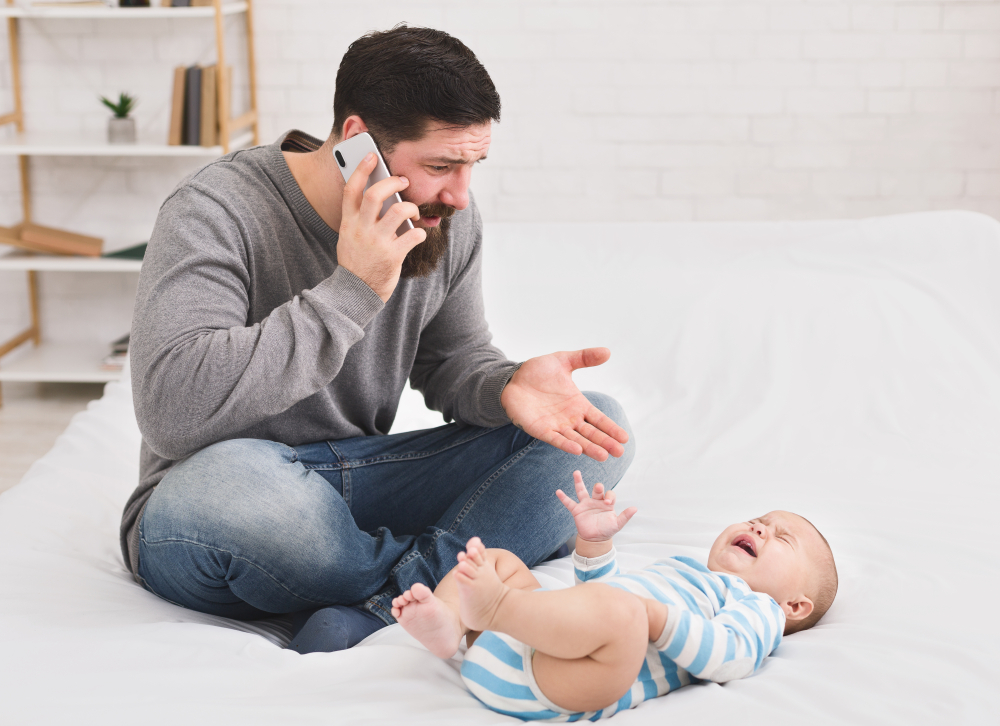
(119, 351)
(35, 237)
(69, 3)
(194, 118)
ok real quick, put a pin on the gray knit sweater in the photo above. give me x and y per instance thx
(245, 327)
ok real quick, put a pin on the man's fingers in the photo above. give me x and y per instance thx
(598, 437)
(354, 189)
(398, 212)
(376, 194)
(594, 451)
(554, 438)
(603, 423)
(588, 357)
(411, 238)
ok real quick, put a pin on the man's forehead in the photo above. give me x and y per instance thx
(454, 144)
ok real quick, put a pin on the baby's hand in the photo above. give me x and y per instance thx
(595, 516)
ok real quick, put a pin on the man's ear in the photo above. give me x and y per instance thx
(798, 608)
(353, 126)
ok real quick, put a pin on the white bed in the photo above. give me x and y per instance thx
(849, 371)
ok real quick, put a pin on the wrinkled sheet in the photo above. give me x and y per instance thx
(847, 370)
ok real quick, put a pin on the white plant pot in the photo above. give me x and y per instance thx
(121, 130)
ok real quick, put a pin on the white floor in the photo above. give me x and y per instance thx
(32, 417)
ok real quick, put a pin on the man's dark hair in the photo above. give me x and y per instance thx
(397, 80)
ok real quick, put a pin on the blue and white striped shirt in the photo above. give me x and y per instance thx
(717, 629)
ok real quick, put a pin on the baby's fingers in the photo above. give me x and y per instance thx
(581, 490)
(625, 516)
(566, 501)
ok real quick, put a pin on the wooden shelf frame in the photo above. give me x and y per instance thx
(25, 147)
(109, 13)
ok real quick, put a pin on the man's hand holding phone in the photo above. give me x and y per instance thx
(368, 246)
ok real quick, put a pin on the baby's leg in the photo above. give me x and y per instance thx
(590, 641)
(433, 618)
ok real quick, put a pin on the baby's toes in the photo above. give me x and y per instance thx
(420, 591)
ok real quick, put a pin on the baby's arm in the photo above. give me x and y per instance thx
(596, 523)
(727, 647)
(595, 518)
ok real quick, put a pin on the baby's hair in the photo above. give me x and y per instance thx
(826, 588)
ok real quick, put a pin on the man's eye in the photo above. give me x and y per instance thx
(439, 168)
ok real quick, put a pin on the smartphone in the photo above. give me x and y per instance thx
(352, 152)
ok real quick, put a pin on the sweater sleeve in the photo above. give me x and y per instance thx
(458, 370)
(595, 569)
(727, 647)
(200, 373)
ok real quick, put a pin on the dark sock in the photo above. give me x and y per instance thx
(337, 627)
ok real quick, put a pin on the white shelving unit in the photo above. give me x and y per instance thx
(81, 362)
(76, 362)
(43, 144)
(101, 13)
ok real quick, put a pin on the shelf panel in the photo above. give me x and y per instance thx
(18, 260)
(105, 13)
(58, 362)
(33, 143)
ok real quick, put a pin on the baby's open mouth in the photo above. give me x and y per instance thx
(745, 543)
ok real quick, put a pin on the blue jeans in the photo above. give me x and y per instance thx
(247, 528)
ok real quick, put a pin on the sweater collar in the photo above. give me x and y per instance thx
(299, 142)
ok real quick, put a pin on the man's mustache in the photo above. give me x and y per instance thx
(435, 210)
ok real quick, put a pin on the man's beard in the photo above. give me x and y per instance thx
(423, 259)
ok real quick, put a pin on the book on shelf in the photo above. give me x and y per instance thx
(69, 3)
(192, 107)
(176, 135)
(194, 111)
(209, 104)
(115, 361)
(135, 252)
(36, 238)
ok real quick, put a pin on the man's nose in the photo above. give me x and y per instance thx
(456, 191)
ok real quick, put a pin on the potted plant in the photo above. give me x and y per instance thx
(121, 128)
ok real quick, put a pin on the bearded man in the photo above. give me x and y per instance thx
(276, 322)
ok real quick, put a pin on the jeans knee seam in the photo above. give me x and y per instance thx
(254, 565)
(410, 556)
(488, 482)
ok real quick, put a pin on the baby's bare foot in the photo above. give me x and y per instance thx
(429, 620)
(480, 591)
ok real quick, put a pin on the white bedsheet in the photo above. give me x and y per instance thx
(849, 371)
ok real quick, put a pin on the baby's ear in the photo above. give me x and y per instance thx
(799, 608)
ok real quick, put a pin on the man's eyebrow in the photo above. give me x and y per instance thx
(451, 160)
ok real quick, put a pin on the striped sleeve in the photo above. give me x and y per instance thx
(594, 569)
(729, 646)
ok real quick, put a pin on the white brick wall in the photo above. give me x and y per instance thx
(613, 109)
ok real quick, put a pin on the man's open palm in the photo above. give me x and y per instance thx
(542, 400)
